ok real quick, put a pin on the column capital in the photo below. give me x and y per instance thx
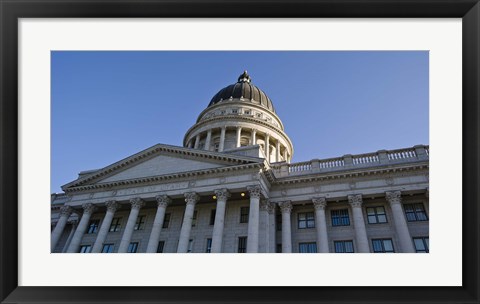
(319, 203)
(65, 211)
(112, 206)
(285, 206)
(255, 191)
(88, 208)
(191, 198)
(222, 194)
(394, 197)
(265, 205)
(137, 203)
(355, 200)
(163, 200)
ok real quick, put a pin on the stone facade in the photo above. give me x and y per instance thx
(232, 189)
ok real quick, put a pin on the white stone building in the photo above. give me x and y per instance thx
(232, 188)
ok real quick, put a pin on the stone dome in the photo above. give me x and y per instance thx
(243, 89)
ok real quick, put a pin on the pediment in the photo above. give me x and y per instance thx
(161, 160)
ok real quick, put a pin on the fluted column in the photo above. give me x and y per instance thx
(191, 198)
(254, 137)
(221, 145)
(395, 200)
(88, 210)
(208, 140)
(277, 156)
(162, 202)
(65, 212)
(253, 219)
(264, 237)
(136, 203)
(217, 235)
(197, 141)
(272, 229)
(321, 224)
(107, 221)
(267, 146)
(286, 208)
(239, 136)
(359, 223)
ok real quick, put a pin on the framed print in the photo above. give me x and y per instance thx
(231, 185)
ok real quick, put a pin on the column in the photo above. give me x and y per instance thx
(264, 237)
(65, 212)
(107, 221)
(217, 236)
(253, 219)
(395, 200)
(278, 151)
(359, 223)
(191, 198)
(208, 140)
(70, 236)
(162, 203)
(285, 155)
(136, 203)
(254, 137)
(88, 210)
(197, 141)
(267, 146)
(272, 229)
(239, 135)
(190, 144)
(321, 224)
(222, 139)
(286, 208)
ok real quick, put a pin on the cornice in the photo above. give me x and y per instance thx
(161, 178)
(153, 151)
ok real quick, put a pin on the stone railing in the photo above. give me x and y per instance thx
(382, 157)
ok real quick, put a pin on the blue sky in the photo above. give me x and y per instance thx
(109, 105)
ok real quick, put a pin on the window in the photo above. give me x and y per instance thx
(194, 218)
(306, 220)
(278, 221)
(259, 115)
(161, 244)
(244, 214)
(140, 223)
(234, 111)
(415, 212)
(382, 245)
(343, 246)
(376, 215)
(190, 246)
(247, 112)
(115, 225)
(132, 247)
(216, 147)
(212, 216)
(93, 226)
(340, 217)
(242, 244)
(307, 247)
(166, 220)
(107, 248)
(421, 244)
(209, 246)
(279, 248)
(85, 249)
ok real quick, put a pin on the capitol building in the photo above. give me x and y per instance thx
(232, 188)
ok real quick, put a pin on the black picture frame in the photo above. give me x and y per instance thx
(12, 10)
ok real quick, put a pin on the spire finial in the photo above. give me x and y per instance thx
(244, 77)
